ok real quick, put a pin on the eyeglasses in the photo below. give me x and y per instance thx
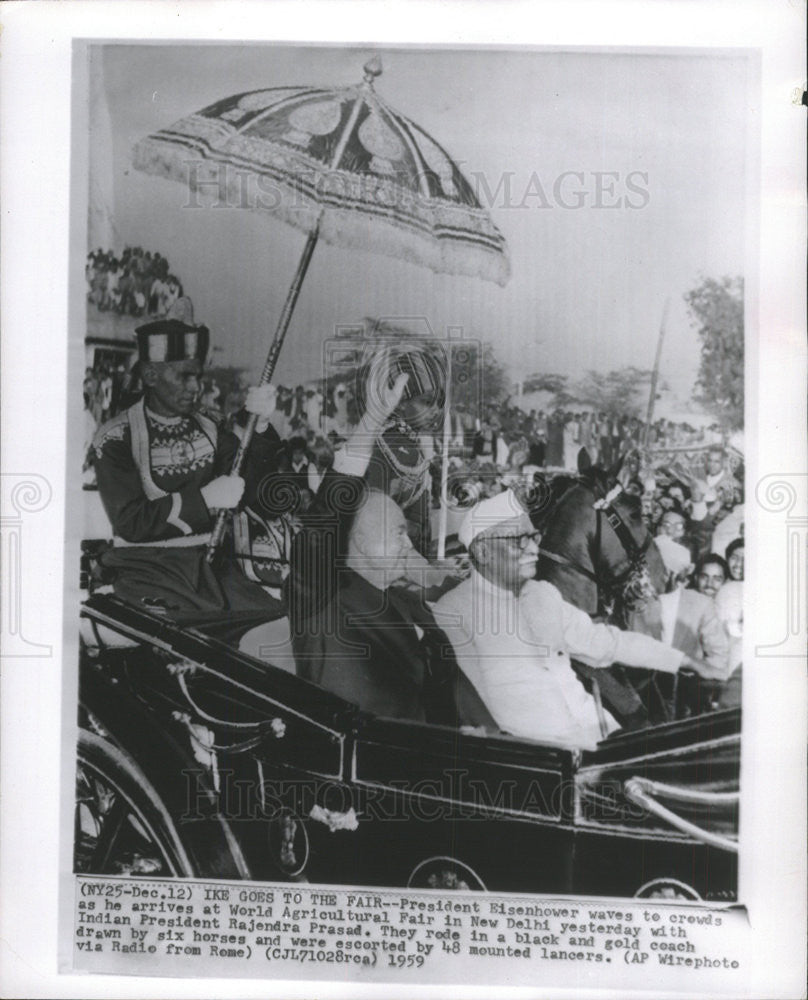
(523, 541)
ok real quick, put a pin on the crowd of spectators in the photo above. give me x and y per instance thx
(136, 283)
(697, 516)
(510, 437)
(690, 485)
(691, 491)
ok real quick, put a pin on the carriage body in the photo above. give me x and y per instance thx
(251, 772)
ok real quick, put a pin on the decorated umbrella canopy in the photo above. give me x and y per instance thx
(340, 165)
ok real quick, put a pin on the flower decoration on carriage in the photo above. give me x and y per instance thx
(335, 820)
(181, 668)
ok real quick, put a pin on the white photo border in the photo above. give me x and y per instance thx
(39, 127)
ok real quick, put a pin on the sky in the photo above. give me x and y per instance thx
(589, 282)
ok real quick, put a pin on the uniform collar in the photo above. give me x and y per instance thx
(159, 419)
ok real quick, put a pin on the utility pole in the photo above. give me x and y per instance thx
(649, 416)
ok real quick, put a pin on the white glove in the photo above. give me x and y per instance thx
(261, 401)
(223, 493)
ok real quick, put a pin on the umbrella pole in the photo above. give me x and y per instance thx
(444, 465)
(372, 69)
(266, 375)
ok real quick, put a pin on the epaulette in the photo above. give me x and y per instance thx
(113, 430)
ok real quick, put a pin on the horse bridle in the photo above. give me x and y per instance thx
(634, 576)
(630, 591)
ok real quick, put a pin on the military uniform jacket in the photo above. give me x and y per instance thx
(150, 470)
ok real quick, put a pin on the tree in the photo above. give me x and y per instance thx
(716, 308)
(616, 392)
(544, 382)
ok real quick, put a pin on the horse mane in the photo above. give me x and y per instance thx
(545, 498)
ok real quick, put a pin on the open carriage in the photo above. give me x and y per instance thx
(197, 760)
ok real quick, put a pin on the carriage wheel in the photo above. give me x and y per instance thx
(122, 827)
(445, 873)
(666, 888)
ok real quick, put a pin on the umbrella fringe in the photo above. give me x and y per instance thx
(424, 238)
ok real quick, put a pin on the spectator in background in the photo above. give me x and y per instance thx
(314, 410)
(280, 416)
(630, 469)
(112, 297)
(734, 558)
(604, 441)
(338, 424)
(555, 439)
(570, 441)
(729, 608)
(322, 459)
(211, 396)
(179, 306)
(690, 623)
(90, 388)
(503, 450)
(720, 479)
(537, 443)
(105, 394)
(670, 542)
(298, 460)
(710, 575)
(485, 442)
(586, 436)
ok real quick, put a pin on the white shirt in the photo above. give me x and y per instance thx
(516, 651)
(729, 607)
(669, 610)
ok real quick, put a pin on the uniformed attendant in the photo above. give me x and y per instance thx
(163, 472)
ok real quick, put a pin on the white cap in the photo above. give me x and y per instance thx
(489, 513)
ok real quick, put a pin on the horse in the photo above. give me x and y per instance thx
(597, 550)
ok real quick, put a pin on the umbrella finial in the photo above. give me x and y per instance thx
(372, 68)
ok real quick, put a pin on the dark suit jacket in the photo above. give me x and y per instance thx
(381, 650)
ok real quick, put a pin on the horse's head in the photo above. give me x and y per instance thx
(597, 548)
(601, 481)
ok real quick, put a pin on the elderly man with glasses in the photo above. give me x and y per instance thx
(513, 635)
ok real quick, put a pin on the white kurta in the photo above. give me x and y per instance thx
(516, 651)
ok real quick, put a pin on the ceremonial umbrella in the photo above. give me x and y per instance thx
(342, 166)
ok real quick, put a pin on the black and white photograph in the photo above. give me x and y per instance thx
(412, 454)
(455, 580)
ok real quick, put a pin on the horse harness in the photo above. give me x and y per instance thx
(630, 590)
